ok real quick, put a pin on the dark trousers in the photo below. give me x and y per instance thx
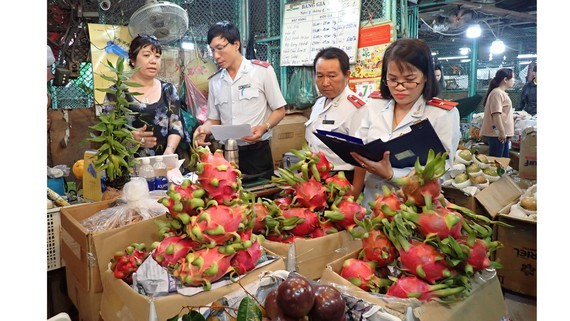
(498, 149)
(255, 160)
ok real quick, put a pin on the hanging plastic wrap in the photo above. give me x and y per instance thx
(301, 90)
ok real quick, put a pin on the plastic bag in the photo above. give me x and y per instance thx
(301, 90)
(58, 171)
(195, 100)
(136, 204)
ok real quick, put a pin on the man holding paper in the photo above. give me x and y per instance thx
(339, 109)
(242, 92)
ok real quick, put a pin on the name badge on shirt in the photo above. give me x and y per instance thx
(243, 87)
(328, 122)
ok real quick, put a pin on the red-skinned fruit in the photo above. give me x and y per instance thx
(295, 296)
(329, 304)
(272, 309)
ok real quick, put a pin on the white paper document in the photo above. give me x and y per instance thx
(223, 132)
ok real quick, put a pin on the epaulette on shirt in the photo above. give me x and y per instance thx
(444, 104)
(260, 63)
(356, 101)
(375, 94)
(217, 72)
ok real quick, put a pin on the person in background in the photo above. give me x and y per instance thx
(498, 120)
(528, 95)
(407, 88)
(339, 109)
(158, 122)
(438, 71)
(242, 91)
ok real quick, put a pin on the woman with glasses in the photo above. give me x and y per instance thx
(406, 91)
(241, 92)
(498, 120)
(158, 121)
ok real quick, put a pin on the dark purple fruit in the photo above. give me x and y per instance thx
(329, 304)
(295, 296)
(272, 309)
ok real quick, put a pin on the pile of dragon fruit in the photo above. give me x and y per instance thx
(416, 244)
(314, 201)
(208, 231)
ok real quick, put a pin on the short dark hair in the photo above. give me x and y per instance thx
(333, 53)
(139, 42)
(414, 52)
(224, 29)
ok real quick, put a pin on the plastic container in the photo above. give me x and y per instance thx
(160, 180)
(146, 171)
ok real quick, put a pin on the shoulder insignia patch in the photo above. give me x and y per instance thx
(375, 94)
(260, 63)
(217, 72)
(356, 101)
(444, 104)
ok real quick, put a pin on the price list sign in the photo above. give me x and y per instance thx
(309, 26)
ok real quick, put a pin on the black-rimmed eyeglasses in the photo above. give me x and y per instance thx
(406, 84)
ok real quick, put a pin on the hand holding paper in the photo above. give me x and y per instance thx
(223, 132)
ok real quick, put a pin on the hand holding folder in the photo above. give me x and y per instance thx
(404, 150)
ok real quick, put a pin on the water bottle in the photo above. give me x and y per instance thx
(147, 172)
(160, 180)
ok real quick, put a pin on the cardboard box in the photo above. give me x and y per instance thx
(287, 135)
(121, 303)
(86, 302)
(78, 246)
(518, 255)
(310, 256)
(486, 302)
(528, 157)
(469, 201)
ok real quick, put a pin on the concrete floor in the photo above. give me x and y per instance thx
(521, 308)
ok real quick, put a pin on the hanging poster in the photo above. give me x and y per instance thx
(108, 42)
(373, 40)
(309, 26)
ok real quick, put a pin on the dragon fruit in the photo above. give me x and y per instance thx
(312, 164)
(307, 223)
(423, 180)
(202, 267)
(218, 177)
(435, 221)
(310, 194)
(171, 249)
(245, 260)
(184, 200)
(361, 274)
(344, 213)
(387, 197)
(478, 254)
(412, 287)
(378, 248)
(216, 224)
(124, 263)
(337, 185)
(424, 261)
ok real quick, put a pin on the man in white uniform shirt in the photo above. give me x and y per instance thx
(242, 92)
(339, 109)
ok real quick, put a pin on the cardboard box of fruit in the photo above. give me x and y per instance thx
(487, 293)
(120, 302)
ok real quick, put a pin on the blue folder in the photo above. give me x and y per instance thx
(404, 149)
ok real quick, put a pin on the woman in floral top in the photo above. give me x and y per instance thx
(158, 119)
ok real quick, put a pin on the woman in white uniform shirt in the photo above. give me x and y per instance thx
(408, 85)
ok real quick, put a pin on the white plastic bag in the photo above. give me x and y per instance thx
(136, 204)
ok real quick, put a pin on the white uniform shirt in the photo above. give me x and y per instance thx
(378, 124)
(340, 116)
(247, 99)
